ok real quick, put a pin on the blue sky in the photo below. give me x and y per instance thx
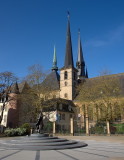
(30, 28)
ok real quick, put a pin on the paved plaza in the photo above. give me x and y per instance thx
(99, 148)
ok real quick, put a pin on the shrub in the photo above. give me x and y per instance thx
(98, 128)
(27, 127)
(119, 128)
(21, 131)
(15, 132)
(48, 127)
(112, 129)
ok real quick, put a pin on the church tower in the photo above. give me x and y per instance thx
(80, 60)
(68, 74)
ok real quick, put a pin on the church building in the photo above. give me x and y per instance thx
(65, 83)
(60, 105)
(62, 88)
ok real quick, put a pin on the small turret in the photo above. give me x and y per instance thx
(15, 88)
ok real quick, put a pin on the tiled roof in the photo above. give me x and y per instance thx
(52, 81)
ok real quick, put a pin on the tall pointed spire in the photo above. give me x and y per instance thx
(80, 60)
(69, 55)
(54, 61)
(86, 73)
(15, 88)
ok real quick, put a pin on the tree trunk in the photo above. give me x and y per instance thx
(1, 116)
(108, 127)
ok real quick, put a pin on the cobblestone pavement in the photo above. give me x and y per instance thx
(96, 150)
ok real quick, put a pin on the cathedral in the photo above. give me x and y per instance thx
(62, 88)
(64, 109)
(65, 83)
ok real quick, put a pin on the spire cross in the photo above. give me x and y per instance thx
(68, 15)
(79, 35)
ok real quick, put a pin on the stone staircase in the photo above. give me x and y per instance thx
(40, 142)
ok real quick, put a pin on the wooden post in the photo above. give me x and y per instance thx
(71, 126)
(87, 126)
(108, 128)
(54, 127)
(87, 120)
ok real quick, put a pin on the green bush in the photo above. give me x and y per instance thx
(15, 132)
(113, 129)
(48, 127)
(21, 131)
(27, 127)
(98, 128)
(119, 128)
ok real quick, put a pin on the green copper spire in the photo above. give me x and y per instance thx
(54, 61)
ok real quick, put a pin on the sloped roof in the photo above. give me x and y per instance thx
(119, 77)
(97, 80)
(53, 104)
(52, 81)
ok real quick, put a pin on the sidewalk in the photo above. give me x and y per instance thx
(99, 148)
(118, 139)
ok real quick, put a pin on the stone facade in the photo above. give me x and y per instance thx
(68, 82)
(10, 114)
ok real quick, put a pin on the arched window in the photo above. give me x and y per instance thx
(45, 97)
(66, 75)
(65, 95)
(66, 83)
(54, 96)
(63, 116)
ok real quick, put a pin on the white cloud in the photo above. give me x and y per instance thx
(110, 38)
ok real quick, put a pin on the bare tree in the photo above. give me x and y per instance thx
(29, 104)
(7, 79)
(30, 97)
